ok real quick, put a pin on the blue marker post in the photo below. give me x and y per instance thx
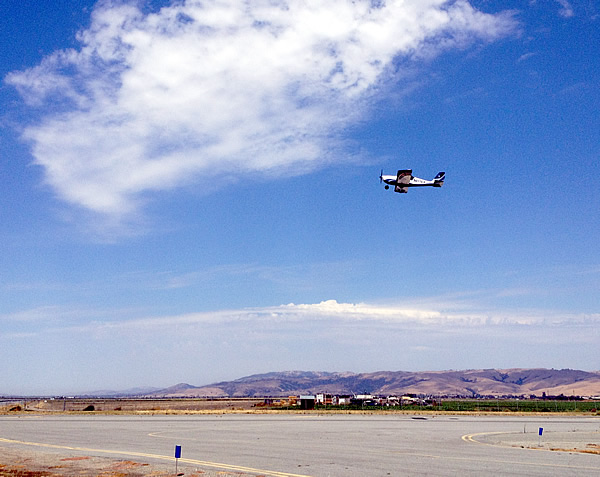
(540, 436)
(177, 457)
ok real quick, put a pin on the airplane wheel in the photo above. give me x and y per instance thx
(387, 187)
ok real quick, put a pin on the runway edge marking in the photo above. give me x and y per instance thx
(471, 438)
(216, 465)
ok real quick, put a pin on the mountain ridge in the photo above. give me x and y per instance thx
(470, 382)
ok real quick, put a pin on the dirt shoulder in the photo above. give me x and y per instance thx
(19, 462)
(33, 463)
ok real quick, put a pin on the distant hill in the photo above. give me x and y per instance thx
(142, 391)
(496, 382)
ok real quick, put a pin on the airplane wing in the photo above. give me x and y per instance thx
(403, 180)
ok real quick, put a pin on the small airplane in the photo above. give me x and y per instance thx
(404, 179)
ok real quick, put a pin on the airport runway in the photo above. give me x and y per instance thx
(322, 445)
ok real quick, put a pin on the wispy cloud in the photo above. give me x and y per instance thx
(437, 333)
(435, 313)
(566, 10)
(474, 93)
(59, 317)
(526, 56)
(155, 101)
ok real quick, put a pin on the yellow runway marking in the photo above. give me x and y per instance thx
(215, 465)
(471, 438)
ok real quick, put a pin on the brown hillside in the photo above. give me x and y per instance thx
(496, 382)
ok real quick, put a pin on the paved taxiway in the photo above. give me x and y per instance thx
(322, 445)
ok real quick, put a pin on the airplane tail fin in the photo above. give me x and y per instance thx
(438, 181)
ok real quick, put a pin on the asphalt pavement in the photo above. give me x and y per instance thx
(323, 445)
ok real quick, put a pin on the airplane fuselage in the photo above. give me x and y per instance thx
(414, 182)
(404, 179)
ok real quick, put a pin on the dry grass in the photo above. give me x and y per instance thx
(590, 449)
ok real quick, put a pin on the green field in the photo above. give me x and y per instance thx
(513, 405)
(484, 405)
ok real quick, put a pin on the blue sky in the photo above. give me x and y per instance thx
(190, 192)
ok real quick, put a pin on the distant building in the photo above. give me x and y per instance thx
(307, 402)
(324, 399)
(343, 400)
(362, 399)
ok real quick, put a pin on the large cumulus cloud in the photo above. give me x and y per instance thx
(154, 101)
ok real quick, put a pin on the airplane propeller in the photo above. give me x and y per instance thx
(381, 176)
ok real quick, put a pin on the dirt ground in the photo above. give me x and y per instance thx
(26, 463)
(135, 405)
(20, 462)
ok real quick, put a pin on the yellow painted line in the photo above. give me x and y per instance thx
(498, 461)
(471, 438)
(215, 465)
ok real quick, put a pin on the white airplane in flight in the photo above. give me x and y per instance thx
(404, 179)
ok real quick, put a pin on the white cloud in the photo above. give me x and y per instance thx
(155, 101)
(526, 56)
(436, 333)
(435, 314)
(566, 10)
